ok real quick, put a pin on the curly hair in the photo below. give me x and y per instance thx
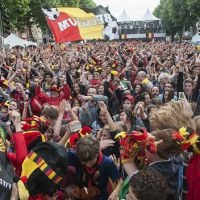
(149, 184)
(173, 115)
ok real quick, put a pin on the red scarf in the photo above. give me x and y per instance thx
(92, 170)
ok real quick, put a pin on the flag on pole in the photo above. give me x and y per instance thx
(72, 24)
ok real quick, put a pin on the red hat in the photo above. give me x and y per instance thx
(129, 97)
(75, 137)
(32, 138)
(134, 144)
(31, 123)
(85, 130)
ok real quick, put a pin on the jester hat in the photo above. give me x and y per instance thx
(42, 170)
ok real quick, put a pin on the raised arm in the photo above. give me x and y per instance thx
(19, 142)
(94, 98)
(104, 109)
(61, 111)
(66, 92)
(180, 81)
(5, 96)
(41, 96)
(10, 85)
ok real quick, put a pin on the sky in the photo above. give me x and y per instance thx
(134, 8)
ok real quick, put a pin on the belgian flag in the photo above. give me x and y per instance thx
(74, 24)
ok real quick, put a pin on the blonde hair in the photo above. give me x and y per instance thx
(197, 123)
(173, 115)
(162, 76)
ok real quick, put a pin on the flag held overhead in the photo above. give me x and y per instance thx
(73, 24)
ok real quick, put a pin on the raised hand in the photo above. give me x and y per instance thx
(102, 106)
(68, 107)
(115, 160)
(84, 98)
(62, 106)
(139, 109)
(106, 143)
(16, 119)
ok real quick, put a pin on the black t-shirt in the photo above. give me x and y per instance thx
(6, 174)
(5, 184)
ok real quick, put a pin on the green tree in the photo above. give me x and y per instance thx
(194, 14)
(70, 3)
(163, 12)
(178, 15)
(24, 13)
(194, 8)
(15, 10)
(87, 4)
(35, 15)
(78, 3)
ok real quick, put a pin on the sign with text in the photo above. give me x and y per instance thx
(72, 24)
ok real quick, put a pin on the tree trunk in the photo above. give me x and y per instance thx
(180, 36)
(172, 37)
(194, 28)
(30, 34)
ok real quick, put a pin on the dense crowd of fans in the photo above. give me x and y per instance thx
(102, 120)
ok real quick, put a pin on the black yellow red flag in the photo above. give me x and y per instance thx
(72, 24)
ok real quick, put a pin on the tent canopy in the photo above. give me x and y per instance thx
(196, 39)
(13, 41)
(148, 16)
(124, 17)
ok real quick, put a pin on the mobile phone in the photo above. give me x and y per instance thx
(75, 127)
(181, 95)
(124, 85)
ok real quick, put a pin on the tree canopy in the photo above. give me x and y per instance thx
(178, 15)
(14, 9)
(24, 13)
